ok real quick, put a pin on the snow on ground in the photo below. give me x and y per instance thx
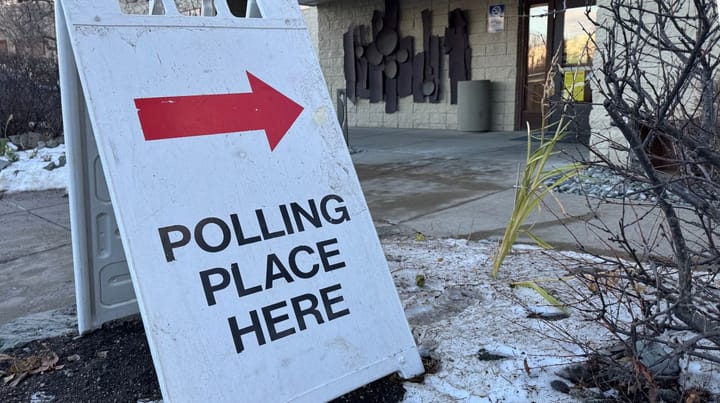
(458, 313)
(28, 172)
(461, 314)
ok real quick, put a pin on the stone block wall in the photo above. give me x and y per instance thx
(186, 7)
(494, 57)
(311, 20)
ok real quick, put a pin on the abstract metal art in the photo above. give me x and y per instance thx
(385, 67)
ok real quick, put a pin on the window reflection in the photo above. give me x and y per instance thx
(578, 51)
(579, 36)
(536, 56)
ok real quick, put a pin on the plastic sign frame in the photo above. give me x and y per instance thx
(254, 259)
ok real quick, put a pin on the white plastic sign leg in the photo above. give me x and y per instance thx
(102, 282)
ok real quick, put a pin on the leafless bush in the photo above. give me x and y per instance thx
(29, 92)
(657, 69)
(28, 22)
(29, 89)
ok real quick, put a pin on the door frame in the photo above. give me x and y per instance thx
(555, 29)
(522, 51)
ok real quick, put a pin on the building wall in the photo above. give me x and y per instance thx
(494, 57)
(659, 70)
(605, 137)
(311, 20)
(188, 7)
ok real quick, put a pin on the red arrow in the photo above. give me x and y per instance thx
(198, 115)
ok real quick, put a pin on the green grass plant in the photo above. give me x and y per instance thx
(532, 188)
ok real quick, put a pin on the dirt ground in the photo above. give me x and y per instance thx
(113, 364)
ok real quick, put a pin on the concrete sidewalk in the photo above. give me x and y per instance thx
(441, 183)
(446, 183)
(461, 185)
(36, 272)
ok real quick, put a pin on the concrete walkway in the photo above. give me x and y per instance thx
(36, 272)
(457, 184)
(441, 183)
(448, 183)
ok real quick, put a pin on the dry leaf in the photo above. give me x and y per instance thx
(527, 367)
(21, 369)
(47, 363)
(18, 379)
(24, 365)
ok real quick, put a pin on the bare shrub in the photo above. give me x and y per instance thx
(29, 89)
(29, 92)
(657, 69)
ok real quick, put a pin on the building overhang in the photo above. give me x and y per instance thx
(312, 2)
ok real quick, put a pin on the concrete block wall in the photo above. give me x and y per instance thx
(606, 138)
(494, 57)
(141, 6)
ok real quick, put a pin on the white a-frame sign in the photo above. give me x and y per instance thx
(250, 248)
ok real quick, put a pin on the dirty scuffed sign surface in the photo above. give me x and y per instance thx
(252, 252)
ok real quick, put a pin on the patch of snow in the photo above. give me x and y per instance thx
(461, 310)
(28, 173)
(41, 397)
(522, 246)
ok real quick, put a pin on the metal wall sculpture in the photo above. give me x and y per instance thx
(458, 47)
(385, 66)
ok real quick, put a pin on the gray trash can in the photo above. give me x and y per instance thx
(474, 106)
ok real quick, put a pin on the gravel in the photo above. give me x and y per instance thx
(603, 183)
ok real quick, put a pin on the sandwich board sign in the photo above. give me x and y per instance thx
(253, 257)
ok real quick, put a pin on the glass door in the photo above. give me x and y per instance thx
(578, 48)
(546, 28)
(534, 63)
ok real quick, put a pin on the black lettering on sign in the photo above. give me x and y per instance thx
(295, 216)
(223, 282)
(329, 302)
(326, 254)
(286, 219)
(274, 262)
(200, 234)
(209, 287)
(262, 222)
(271, 321)
(294, 266)
(323, 255)
(239, 285)
(344, 214)
(303, 306)
(237, 333)
(239, 235)
(312, 217)
(300, 312)
(169, 245)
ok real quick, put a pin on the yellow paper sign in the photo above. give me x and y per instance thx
(574, 85)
